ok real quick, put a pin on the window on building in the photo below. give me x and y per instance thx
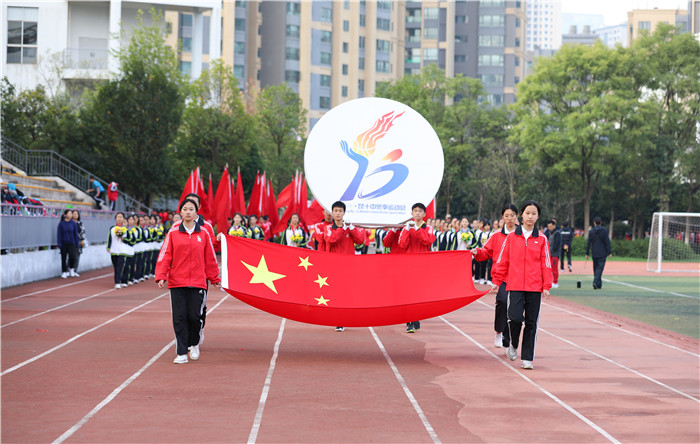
(292, 76)
(346, 25)
(492, 40)
(645, 25)
(293, 8)
(430, 13)
(361, 63)
(517, 42)
(430, 32)
(240, 24)
(325, 80)
(517, 22)
(240, 3)
(492, 3)
(326, 15)
(413, 55)
(293, 31)
(386, 5)
(430, 54)
(346, 4)
(325, 58)
(239, 48)
(383, 24)
(185, 68)
(517, 61)
(292, 54)
(413, 35)
(491, 79)
(238, 71)
(345, 69)
(516, 80)
(326, 36)
(491, 59)
(345, 47)
(413, 16)
(382, 66)
(363, 20)
(460, 58)
(460, 19)
(344, 91)
(362, 42)
(492, 20)
(361, 85)
(383, 46)
(324, 102)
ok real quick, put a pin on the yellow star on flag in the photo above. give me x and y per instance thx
(323, 301)
(321, 281)
(261, 275)
(305, 263)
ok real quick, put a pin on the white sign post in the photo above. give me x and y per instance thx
(378, 156)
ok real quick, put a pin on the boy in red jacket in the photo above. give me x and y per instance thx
(525, 265)
(417, 237)
(340, 236)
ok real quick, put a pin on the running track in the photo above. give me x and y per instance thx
(82, 362)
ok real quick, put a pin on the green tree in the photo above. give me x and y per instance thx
(138, 113)
(572, 113)
(216, 128)
(282, 118)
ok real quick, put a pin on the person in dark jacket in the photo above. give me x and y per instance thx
(68, 240)
(599, 245)
(567, 238)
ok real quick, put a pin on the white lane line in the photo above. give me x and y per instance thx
(621, 366)
(596, 427)
(68, 433)
(74, 338)
(651, 289)
(622, 329)
(55, 288)
(406, 390)
(56, 308)
(266, 387)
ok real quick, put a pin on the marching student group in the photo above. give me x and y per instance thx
(513, 258)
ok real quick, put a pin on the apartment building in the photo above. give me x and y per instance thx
(612, 35)
(649, 19)
(75, 39)
(543, 24)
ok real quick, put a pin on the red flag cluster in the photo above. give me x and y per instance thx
(295, 198)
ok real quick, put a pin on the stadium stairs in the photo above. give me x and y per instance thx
(51, 191)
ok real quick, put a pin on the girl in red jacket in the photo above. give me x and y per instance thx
(186, 261)
(524, 264)
(493, 245)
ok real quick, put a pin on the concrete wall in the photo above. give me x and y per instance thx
(33, 266)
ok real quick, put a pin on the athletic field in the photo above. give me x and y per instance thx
(83, 362)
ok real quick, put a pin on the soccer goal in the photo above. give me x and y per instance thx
(674, 242)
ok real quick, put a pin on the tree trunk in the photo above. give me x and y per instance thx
(612, 221)
(586, 214)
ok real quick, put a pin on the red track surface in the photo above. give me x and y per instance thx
(597, 377)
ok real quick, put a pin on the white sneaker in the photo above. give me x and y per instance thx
(511, 353)
(489, 283)
(340, 329)
(64, 275)
(131, 282)
(73, 273)
(555, 285)
(118, 286)
(481, 282)
(181, 359)
(194, 352)
(498, 342)
(527, 365)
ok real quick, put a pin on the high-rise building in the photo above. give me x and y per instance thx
(612, 35)
(484, 39)
(648, 19)
(331, 51)
(694, 17)
(543, 24)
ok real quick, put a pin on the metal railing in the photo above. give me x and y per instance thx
(85, 58)
(50, 163)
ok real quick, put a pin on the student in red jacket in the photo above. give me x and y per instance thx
(187, 260)
(391, 240)
(417, 237)
(493, 245)
(341, 236)
(524, 264)
(320, 230)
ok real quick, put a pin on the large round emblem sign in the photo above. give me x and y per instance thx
(378, 156)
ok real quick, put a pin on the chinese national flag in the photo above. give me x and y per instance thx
(323, 288)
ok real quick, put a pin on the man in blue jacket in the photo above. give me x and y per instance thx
(599, 243)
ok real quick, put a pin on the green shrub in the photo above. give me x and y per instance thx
(621, 248)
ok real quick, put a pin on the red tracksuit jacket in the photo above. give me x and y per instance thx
(207, 226)
(391, 240)
(339, 240)
(493, 245)
(319, 235)
(524, 265)
(417, 241)
(187, 260)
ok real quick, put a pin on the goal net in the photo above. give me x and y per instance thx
(674, 242)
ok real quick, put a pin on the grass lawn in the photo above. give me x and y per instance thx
(672, 303)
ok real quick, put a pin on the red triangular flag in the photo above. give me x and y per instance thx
(239, 200)
(190, 187)
(222, 202)
(430, 210)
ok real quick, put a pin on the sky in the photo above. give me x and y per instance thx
(615, 11)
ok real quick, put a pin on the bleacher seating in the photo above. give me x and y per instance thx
(47, 190)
